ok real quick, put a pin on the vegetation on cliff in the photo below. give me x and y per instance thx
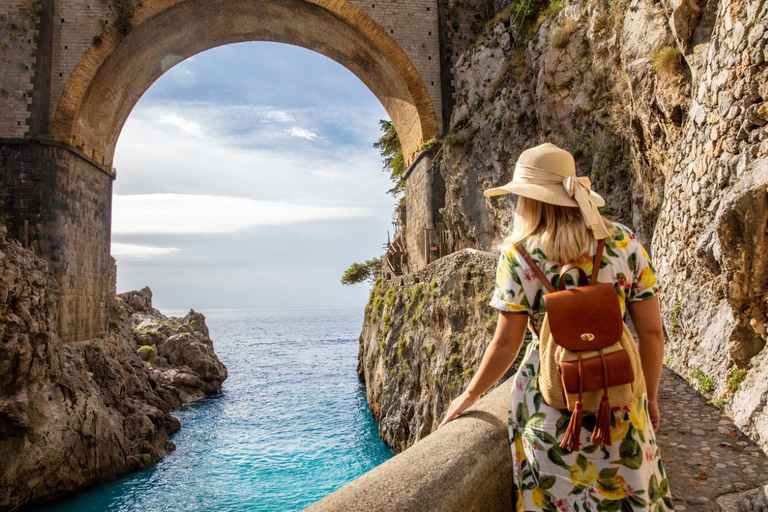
(359, 272)
(423, 338)
(392, 155)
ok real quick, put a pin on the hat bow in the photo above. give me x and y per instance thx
(577, 187)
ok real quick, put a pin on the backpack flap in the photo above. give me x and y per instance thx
(585, 317)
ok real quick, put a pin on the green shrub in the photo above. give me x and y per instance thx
(416, 293)
(560, 36)
(706, 384)
(674, 314)
(392, 153)
(390, 297)
(400, 345)
(735, 379)
(359, 272)
(386, 322)
(146, 352)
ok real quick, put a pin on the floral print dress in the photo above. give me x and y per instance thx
(629, 474)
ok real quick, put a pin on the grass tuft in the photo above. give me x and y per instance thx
(666, 61)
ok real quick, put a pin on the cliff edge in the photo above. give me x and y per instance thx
(75, 414)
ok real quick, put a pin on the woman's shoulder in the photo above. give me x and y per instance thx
(621, 237)
(619, 230)
(508, 250)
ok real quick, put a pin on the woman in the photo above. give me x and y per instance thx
(557, 222)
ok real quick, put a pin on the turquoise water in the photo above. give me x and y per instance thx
(290, 426)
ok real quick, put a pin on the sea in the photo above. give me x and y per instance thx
(290, 426)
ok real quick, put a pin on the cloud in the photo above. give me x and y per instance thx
(186, 214)
(188, 127)
(139, 251)
(302, 133)
(271, 114)
(151, 159)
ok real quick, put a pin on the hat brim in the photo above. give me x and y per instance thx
(552, 194)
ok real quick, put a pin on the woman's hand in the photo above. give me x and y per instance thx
(459, 405)
(653, 412)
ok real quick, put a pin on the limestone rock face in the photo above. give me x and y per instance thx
(423, 338)
(664, 107)
(178, 351)
(74, 414)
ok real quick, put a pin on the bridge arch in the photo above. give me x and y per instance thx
(114, 72)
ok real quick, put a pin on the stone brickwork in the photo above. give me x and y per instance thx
(69, 78)
(424, 196)
(18, 51)
(83, 39)
(414, 25)
(76, 23)
(59, 203)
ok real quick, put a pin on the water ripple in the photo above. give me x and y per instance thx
(291, 425)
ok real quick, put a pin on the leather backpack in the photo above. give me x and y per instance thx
(589, 359)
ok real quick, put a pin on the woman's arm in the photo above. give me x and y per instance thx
(499, 356)
(646, 317)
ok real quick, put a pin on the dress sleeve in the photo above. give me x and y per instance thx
(508, 294)
(645, 284)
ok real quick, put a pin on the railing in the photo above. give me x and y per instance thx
(396, 257)
(436, 241)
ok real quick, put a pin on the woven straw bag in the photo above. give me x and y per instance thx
(589, 359)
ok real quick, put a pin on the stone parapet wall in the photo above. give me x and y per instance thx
(464, 466)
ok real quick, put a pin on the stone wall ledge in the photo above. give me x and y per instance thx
(464, 466)
(49, 141)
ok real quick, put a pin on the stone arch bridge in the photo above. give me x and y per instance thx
(72, 70)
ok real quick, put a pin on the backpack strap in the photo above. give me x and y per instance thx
(597, 261)
(535, 268)
(583, 281)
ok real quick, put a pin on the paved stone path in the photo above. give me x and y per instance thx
(705, 455)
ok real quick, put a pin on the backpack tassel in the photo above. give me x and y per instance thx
(601, 436)
(572, 438)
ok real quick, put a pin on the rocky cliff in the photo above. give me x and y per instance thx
(74, 414)
(663, 106)
(423, 337)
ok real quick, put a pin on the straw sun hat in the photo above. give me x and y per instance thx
(547, 173)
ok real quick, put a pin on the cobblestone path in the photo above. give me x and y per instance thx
(705, 454)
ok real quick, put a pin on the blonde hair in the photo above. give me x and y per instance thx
(560, 231)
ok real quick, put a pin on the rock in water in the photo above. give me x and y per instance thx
(75, 414)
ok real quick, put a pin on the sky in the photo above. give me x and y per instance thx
(246, 178)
